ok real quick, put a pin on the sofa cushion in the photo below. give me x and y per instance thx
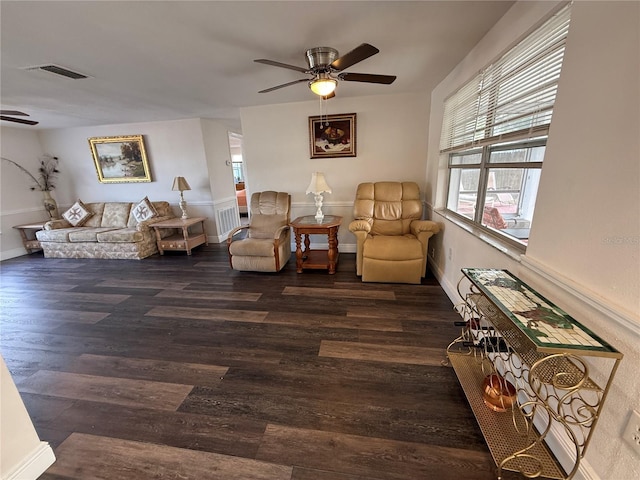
(78, 214)
(57, 235)
(252, 247)
(143, 210)
(122, 235)
(86, 234)
(398, 247)
(116, 214)
(96, 219)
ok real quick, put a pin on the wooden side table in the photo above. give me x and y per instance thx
(184, 241)
(319, 259)
(28, 235)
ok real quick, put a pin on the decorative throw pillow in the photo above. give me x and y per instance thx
(144, 210)
(77, 214)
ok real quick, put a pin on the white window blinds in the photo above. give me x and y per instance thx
(512, 98)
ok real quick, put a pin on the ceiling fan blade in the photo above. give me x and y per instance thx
(18, 120)
(13, 113)
(367, 78)
(281, 65)
(356, 55)
(283, 85)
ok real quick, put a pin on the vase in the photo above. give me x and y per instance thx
(50, 205)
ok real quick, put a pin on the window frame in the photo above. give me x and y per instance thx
(484, 167)
(507, 105)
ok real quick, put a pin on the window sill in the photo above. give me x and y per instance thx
(512, 249)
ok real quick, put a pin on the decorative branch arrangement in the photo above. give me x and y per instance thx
(47, 173)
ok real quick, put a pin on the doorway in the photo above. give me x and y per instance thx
(239, 175)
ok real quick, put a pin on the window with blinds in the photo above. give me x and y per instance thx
(513, 97)
(495, 132)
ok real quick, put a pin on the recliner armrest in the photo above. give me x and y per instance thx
(278, 233)
(360, 226)
(234, 231)
(420, 226)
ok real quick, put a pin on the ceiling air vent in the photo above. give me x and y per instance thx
(58, 70)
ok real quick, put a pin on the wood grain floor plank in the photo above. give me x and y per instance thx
(83, 457)
(42, 286)
(251, 345)
(23, 362)
(340, 293)
(158, 395)
(153, 284)
(27, 315)
(301, 473)
(107, 298)
(209, 314)
(371, 457)
(398, 312)
(333, 321)
(230, 435)
(16, 301)
(339, 405)
(148, 369)
(211, 296)
(382, 353)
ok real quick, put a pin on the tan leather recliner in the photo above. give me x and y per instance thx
(391, 237)
(267, 245)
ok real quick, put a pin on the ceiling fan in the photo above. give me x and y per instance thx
(8, 115)
(326, 69)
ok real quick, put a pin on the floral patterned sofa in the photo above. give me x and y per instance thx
(115, 230)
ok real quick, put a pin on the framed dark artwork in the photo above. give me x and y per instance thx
(332, 136)
(120, 159)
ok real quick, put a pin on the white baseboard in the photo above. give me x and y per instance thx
(564, 451)
(34, 465)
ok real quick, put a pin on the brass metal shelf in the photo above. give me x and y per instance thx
(498, 427)
(511, 330)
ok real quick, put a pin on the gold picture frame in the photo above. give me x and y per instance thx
(332, 136)
(120, 159)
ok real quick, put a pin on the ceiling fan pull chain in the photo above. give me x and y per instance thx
(321, 113)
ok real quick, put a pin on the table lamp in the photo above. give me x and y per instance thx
(180, 183)
(318, 186)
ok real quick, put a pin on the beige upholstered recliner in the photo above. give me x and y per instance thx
(267, 245)
(391, 237)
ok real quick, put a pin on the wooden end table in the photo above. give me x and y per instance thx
(182, 242)
(316, 259)
(28, 235)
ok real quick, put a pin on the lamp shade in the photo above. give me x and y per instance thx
(180, 183)
(318, 184)
(323, 86)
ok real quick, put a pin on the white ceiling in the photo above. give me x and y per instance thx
(168, 60)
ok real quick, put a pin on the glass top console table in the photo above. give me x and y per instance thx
(553, 374)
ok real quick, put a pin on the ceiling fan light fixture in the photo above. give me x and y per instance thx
(323, 86)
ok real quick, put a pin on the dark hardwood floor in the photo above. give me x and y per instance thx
(177, 367)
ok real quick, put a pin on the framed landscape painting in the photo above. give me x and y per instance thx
(332, 136)
(120, 159)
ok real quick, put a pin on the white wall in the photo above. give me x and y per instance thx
(22, 456)
(391, 145)
(18, 204)
(173, 149)
(188, 148)
(584, 246)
